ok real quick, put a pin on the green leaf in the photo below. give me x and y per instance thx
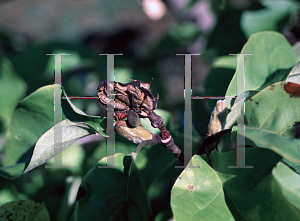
(33, 116)
(137, 198)
(252, 192)
(266, 19)
(157, 166)
(296, 48)
(12, 89)
(31, 133)
(236, 114)
(271, 62)
(289, 182)
(46, 148)
(293, 166)
(198, 194)
(24, 210)
(274, 109)
(285, 147)
(7, 195)
(117, 193)
(12, 172)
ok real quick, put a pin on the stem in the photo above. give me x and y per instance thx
(167, 140)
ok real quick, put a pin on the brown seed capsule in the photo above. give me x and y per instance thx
(134, 100)
(218, 118)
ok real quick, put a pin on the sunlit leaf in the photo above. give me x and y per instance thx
(289, 182)
(204, 189)
(272, 60)
(285, 147)
(46, 147)
(275, 109)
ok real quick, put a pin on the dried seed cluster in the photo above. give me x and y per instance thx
(135, 95)
(134, 100)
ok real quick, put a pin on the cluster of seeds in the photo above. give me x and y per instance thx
(133, 101)
(135, 95)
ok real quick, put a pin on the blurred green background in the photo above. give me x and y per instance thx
(149, 33)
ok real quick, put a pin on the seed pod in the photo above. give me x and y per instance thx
(218, 118)
(135, 95)
(133, 119)
(134, 100)
(134, 134)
